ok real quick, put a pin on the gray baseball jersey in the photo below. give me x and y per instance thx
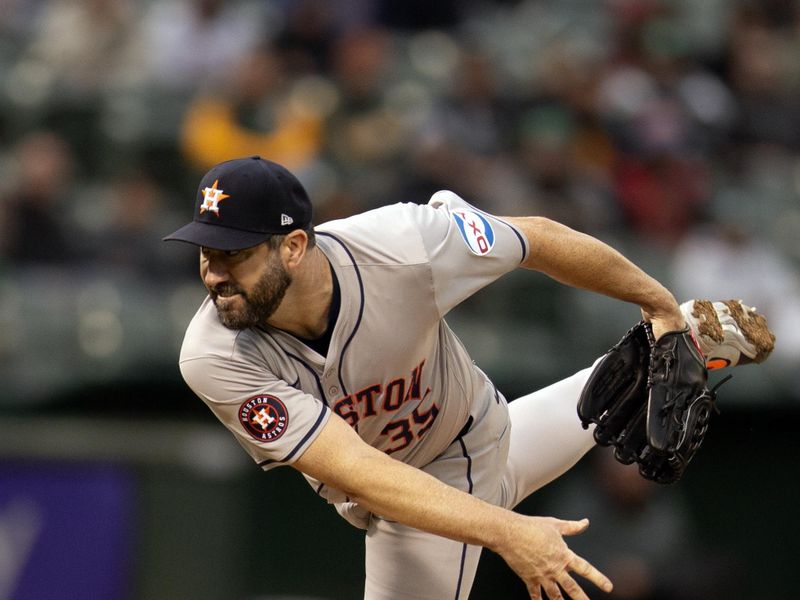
(394, 370)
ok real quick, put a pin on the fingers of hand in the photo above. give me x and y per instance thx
(586, 570)
(573, 527)
(571, 587)
(561, 561)
(552, 591)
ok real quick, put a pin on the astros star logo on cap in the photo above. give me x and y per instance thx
(212, 196)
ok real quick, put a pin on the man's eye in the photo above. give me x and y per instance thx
(208, 251)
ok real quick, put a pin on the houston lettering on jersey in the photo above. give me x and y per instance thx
(389, 397)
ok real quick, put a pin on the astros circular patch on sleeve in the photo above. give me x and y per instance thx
(476, 230)
(264, 417)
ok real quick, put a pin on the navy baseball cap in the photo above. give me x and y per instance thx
(241, 202)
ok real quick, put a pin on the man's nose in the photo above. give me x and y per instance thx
(215, 273)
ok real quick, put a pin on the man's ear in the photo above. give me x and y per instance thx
(293, 248)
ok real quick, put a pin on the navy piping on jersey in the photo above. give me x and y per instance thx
(313, 372)
(469, 490)
(521, 240)
(496, 394)
(464, 430)
(360, 308)
(469, 464)
(308, 434)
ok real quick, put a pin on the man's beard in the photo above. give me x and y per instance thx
(259, 304)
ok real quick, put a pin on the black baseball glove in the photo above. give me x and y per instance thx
(649, 399)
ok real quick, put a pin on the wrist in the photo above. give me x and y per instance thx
(664, 308)
(498, 537)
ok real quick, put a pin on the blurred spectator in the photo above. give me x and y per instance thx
(627, 513)
(37, 206)
(77, 47)
(187, 44)
(563, 145)
(764, 68)
(667, 115)
(128, 241)
(306, 38)
(661, 180)
(71, 55)
(465, 142)
(253, 112)
(562, 158)
(364, 139)
(661, 194)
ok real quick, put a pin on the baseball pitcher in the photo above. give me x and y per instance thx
(325, 349)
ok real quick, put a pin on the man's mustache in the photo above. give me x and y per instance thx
(225, 289)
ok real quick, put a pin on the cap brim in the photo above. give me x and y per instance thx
(217, 237)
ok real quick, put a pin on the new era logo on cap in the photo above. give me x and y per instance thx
(261, 198)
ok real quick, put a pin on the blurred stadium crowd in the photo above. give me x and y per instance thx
(669, 128)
